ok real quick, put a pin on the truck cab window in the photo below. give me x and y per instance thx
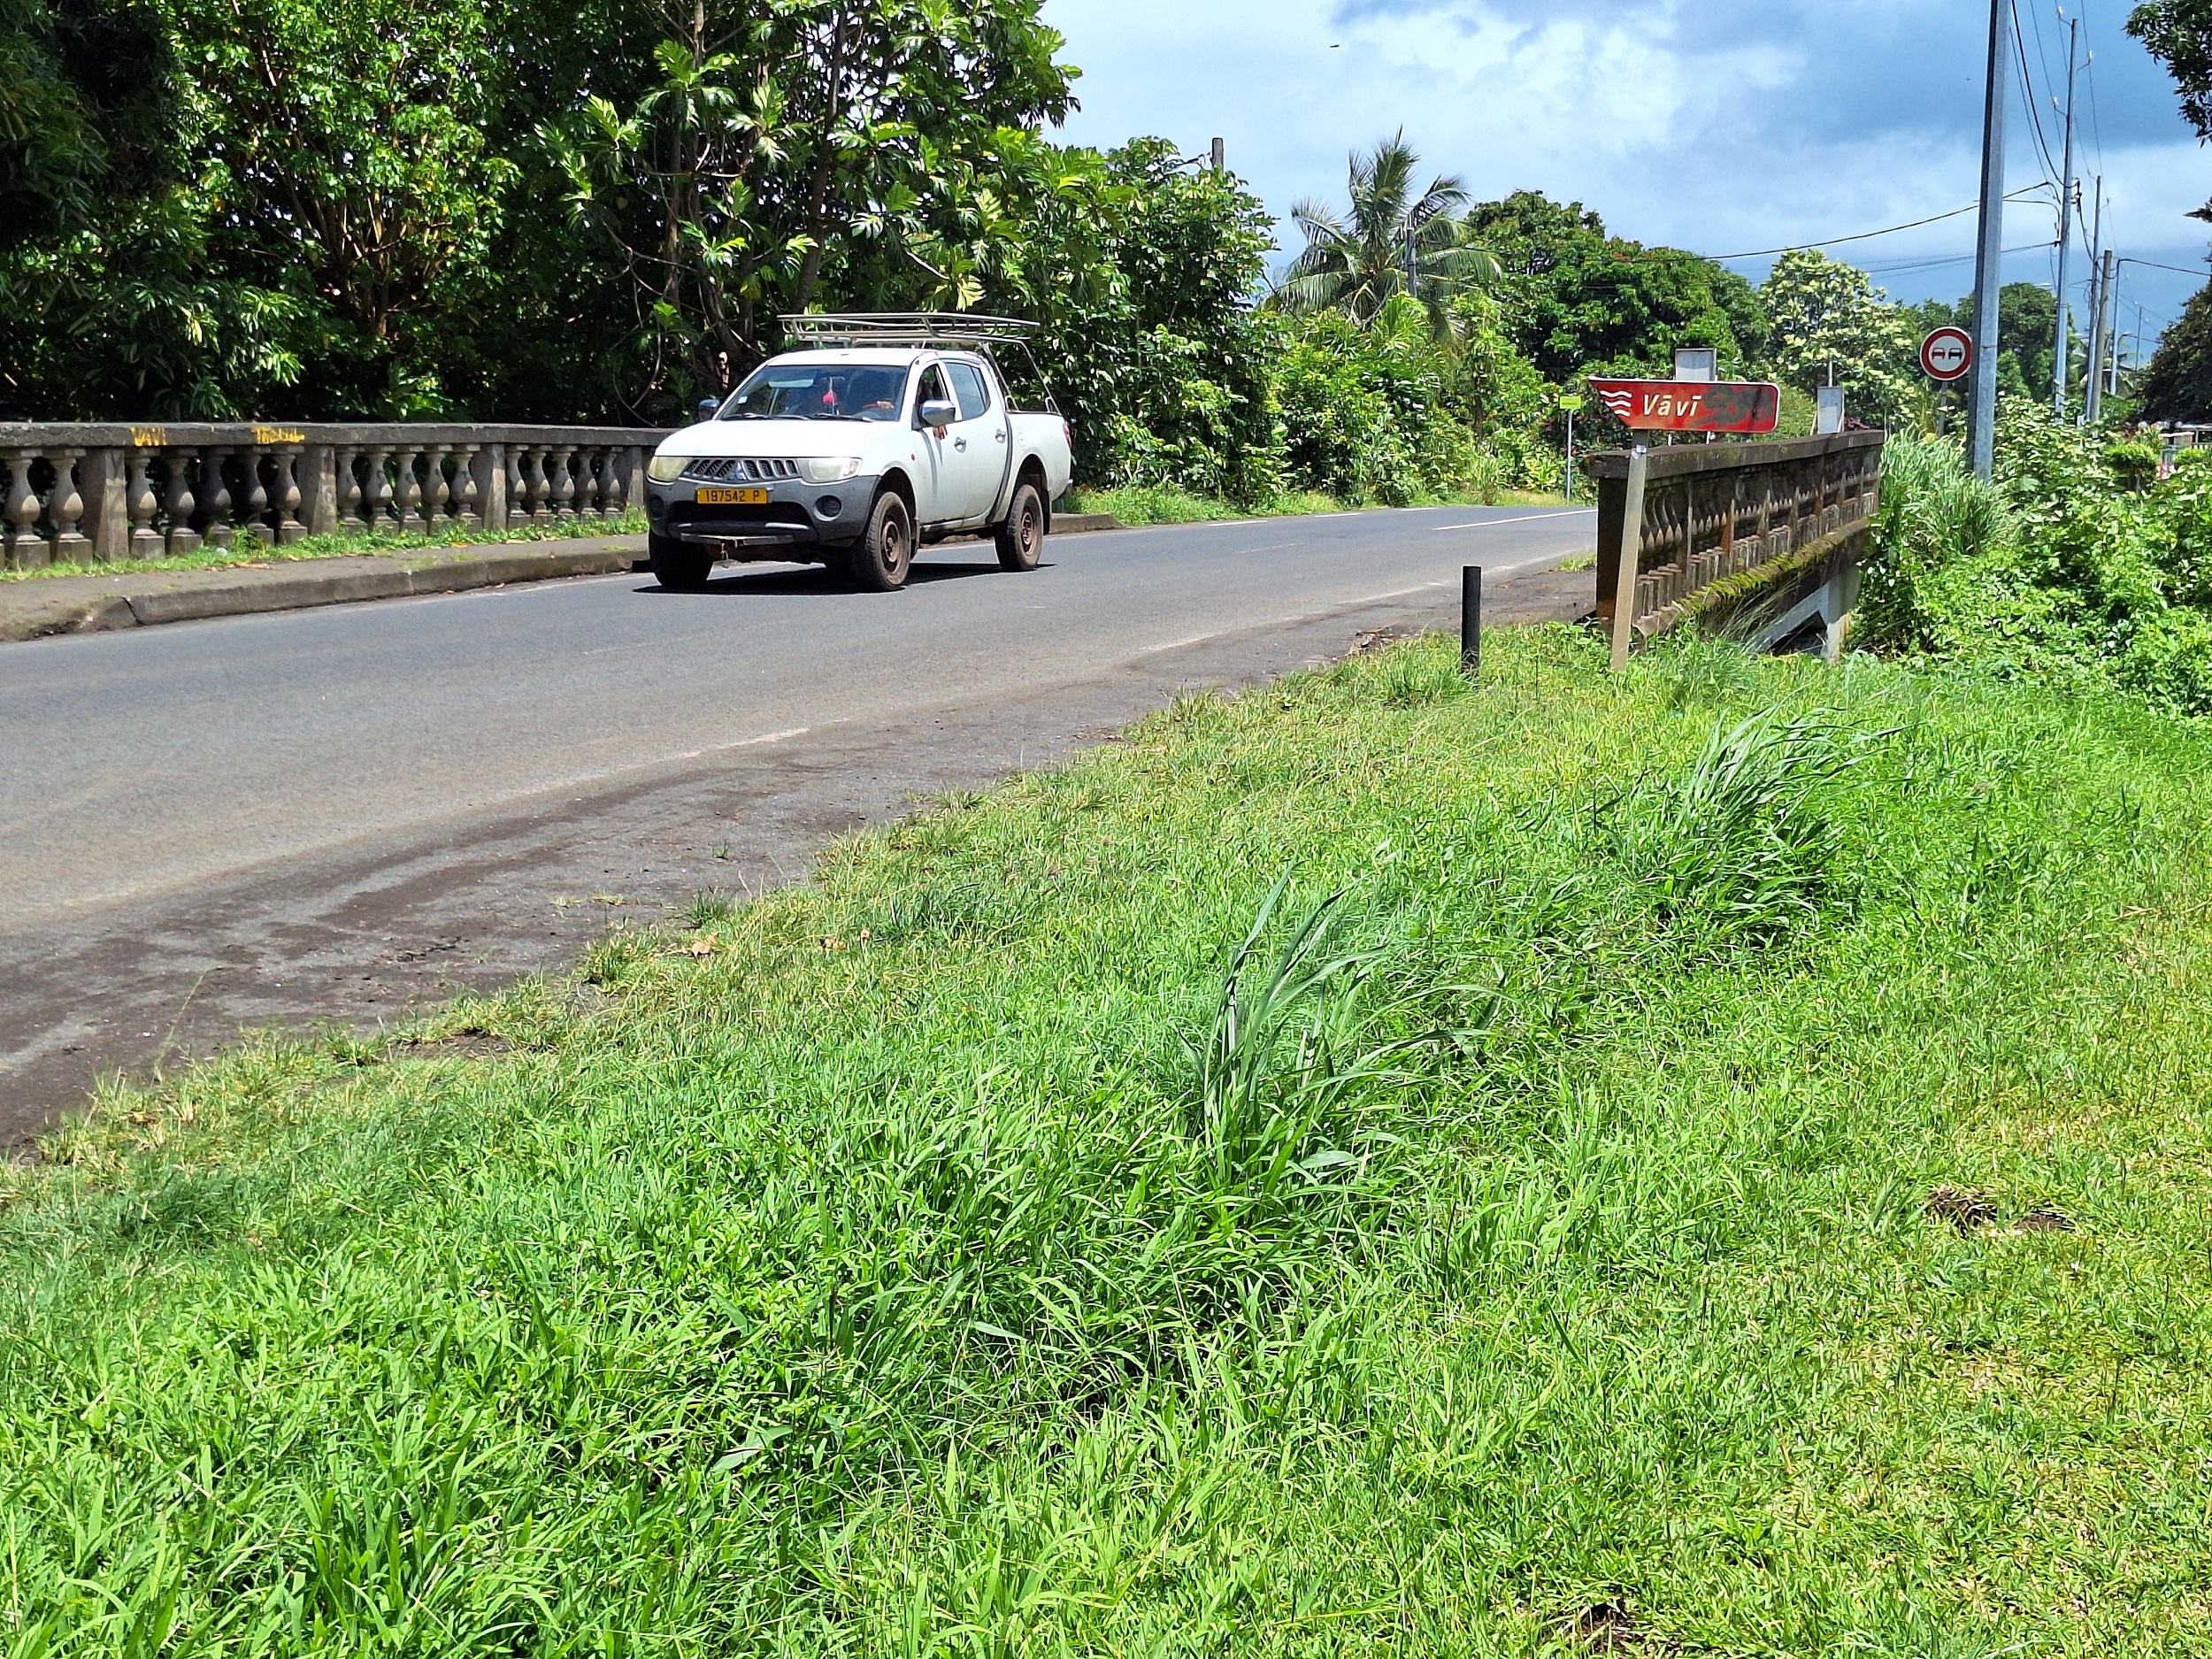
(932, 389)
(967, 389)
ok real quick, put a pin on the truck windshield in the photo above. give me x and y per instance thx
(826, 391)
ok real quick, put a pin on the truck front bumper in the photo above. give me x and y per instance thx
(794, 516)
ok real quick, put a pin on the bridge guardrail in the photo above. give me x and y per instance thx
(1720, 523)
(101, 491)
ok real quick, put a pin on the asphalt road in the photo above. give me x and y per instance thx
(263, 819)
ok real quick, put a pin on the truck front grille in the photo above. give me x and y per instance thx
(747, 469)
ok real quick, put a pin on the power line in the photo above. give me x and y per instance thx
(2027, 86)
(2096, 130)
(1889, 230)
(2155, 266)
(1905, 265)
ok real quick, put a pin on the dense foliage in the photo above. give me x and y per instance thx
(2177, 382)
(2077, 564)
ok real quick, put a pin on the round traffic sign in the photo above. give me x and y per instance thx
(1946, 354)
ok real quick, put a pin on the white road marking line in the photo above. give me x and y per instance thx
(1481, 523)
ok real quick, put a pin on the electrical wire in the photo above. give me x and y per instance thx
(2089, 71)
(2155, 266)
(1956, 259)
(1889, 230)
(2027, 89)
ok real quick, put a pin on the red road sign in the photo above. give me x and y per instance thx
(1693, 405)
(1946, 354)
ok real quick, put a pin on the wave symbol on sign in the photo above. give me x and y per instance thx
(1620, 400)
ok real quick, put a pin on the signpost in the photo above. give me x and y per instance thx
(1569, 402)
(1946, 354)
(1748, 406)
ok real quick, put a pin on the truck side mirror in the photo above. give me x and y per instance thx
(938, 411)
(709, 408)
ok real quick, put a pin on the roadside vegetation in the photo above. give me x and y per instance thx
(1707, 1159)
(2077, 566)
(1164, 504)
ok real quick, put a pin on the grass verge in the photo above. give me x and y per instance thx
(251, 549)
(1713, 1159)
(1146, 504)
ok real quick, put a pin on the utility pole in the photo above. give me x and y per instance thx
(2096, 275)
(2099, 336)
(1989, 248)
(2059, 376)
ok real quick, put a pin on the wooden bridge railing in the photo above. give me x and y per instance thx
(99, 492)
(1717, 524)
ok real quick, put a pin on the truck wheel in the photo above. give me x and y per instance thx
(682, 567)
(1022, 537)
(882, 556)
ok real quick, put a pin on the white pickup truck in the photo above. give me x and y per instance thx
(852, 454)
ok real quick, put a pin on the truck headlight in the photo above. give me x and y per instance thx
(665, 469)
(829, 469)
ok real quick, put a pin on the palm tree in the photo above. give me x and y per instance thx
(1392, 243)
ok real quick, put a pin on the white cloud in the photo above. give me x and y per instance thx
(1722, 125)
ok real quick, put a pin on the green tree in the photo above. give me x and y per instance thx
(115, 302)
(778, 148)
(1825, 312)
(344, 143)
(2178, 33)
(1142, 271)
(2176, 383)
(1577, 301)
(1392, 240)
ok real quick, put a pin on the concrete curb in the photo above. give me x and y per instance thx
(98, 604)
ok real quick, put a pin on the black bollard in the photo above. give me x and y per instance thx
(1471, 621)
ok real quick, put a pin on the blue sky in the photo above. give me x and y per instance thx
(1722, 125)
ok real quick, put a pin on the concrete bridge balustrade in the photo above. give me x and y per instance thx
(98, 492)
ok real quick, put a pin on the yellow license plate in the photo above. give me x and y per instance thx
(709, 497)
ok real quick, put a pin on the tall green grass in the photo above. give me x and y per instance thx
(1376, 1165)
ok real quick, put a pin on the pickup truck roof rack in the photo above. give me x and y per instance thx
(964, 330)
(905, 329)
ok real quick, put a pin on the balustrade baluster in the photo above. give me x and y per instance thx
(25, 546)
(464, 499)
(288, 527)
(411, 513)
(254, 517)
(64, 506)
(562, 486)
(139, 503)
(378, 515)
(589, 489)
(182, 503)
(346, 463)
(215, 499)
(611, 504)
(539, 486)
(435, 488)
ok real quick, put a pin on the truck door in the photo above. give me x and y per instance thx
(976, 445)
(938, 487)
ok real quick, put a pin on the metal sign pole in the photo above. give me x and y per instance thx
(1624, 572)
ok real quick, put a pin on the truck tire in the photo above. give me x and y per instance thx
(682, 567)
(1021, 538)
(882, 556)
